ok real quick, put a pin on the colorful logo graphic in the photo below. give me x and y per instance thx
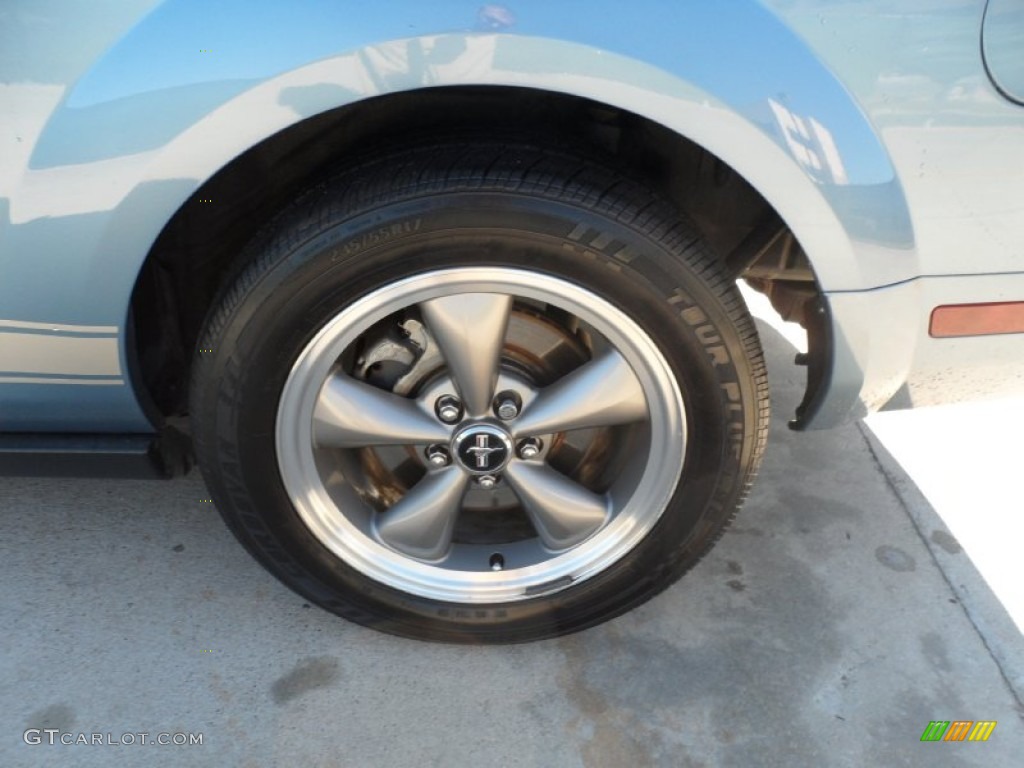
(958, 730)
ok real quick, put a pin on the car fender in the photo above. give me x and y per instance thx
(735, 80)
(189, 88)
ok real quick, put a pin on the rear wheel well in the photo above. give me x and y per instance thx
(197, 251)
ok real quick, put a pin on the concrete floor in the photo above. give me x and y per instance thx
(826, 629)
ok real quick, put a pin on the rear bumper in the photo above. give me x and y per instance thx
(882, 355)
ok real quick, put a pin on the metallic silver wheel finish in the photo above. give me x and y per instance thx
(328, 421)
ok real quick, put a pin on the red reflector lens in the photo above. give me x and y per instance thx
(977, 319)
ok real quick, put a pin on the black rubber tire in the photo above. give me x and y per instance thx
(448, 204)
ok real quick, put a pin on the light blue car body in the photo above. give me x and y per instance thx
(872, 128)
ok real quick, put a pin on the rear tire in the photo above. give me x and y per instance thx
(607, 394)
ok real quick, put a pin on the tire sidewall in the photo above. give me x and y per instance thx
(656, 283)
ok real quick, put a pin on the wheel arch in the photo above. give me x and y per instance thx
(840, 199)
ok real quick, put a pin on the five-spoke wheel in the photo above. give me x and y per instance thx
(524, 402)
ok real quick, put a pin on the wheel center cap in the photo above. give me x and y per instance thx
(482, 449)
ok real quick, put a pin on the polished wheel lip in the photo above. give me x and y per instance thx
(634, 518)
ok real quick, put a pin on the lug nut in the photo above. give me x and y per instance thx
(448, 409)
(507, 405)
(486, 481)
(438, 456)
(507, 410)
(528, 448)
